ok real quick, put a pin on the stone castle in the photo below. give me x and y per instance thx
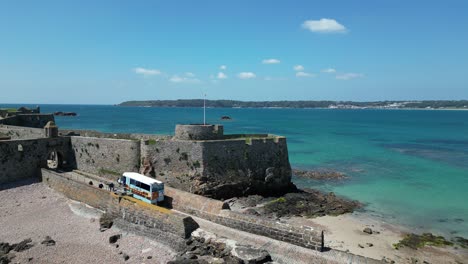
(199, 159)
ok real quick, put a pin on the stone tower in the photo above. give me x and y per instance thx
(51, 130)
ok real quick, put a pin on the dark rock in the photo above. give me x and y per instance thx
(367, 230)
(308, 203)
(232, 260)
(319, 174)
(250, 254)
(64, 113)
(361, 246)
(415, 241)
(48, 241)
(149, 257)
(126, 257)
(105, 222)
(186, 261)
(23, 245)
(5, 248)
(226, 118)
(113, 239)
(5, 259)
(370, 244)
(463, 242)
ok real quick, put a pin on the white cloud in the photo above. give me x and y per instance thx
(223, 67)
(349, 76)
(221, 75)
(329, 70)
(147, 72)
(324, 25)
(271, 61)
(304, 74)
(190, 74)
(246, 75)
(183, 79)
(298, 68)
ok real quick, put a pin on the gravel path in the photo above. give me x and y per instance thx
(36, 211)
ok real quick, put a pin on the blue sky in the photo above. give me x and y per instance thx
(105, 52)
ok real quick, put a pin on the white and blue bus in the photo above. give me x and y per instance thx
(142, 187)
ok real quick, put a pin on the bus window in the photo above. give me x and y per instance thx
(122, 180)
(133, 182)
(144, 186)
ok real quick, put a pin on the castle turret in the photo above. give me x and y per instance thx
(51, 129)
(199, 132)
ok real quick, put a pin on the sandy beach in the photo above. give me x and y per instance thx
(35, 211)
(345, 232)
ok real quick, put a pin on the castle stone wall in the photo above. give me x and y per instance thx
(97, 134)
(19, 132)
(34, 120)
(106, 157)
(177, 163)
(220, 168)
(22, 159)
(250, 166)
(12, 120)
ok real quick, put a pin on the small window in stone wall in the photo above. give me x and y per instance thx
(20, 148)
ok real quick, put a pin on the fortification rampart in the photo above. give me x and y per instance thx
(105, 157)
(21, 159)
(28, 120)
(20, 132)
(234, 165)
(220, 168)
(167, 226)
(97, 134)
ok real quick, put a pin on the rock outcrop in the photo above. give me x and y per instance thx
(308, 203)
(319, 174)
(204, 247)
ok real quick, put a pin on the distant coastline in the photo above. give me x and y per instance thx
(407, 105)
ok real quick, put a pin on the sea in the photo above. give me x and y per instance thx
(408, 167)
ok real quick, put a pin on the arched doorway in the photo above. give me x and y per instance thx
(54, 160)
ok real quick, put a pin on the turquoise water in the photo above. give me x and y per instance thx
(408, 167)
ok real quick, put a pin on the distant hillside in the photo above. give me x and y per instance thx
(462, 104)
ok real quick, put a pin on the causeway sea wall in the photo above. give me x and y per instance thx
(218, 212)
(169, 227)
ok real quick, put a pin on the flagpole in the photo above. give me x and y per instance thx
(204, 109)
